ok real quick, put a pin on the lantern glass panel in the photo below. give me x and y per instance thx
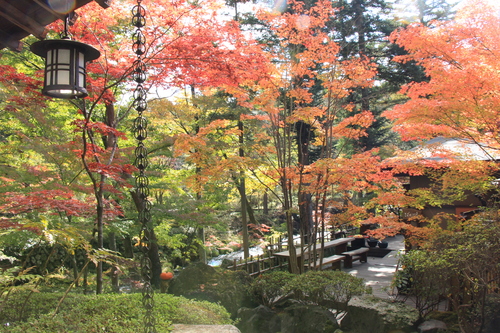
(65, 72)
(81, 60)
(64, 56)
(81, 70)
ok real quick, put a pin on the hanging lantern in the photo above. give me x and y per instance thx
(65, 66)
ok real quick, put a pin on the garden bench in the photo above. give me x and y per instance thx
(360, 254)
(327, 261)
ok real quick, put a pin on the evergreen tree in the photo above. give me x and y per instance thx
(425, 11)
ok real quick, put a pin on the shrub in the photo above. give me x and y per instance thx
(333, 289)
(18, 307)
(268, 289)
(425, 277)
(113, 313)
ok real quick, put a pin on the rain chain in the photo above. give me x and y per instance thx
(141, 162)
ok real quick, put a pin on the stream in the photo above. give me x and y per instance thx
(217, 261)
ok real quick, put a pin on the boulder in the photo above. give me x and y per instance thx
(432, 326)
(205, 283)
(191, 278)
(297, 318)
(307, 319)
(259, 320)
(370, 314)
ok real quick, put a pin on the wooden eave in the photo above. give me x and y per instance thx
(21, 18)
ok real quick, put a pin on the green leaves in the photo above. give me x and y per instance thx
(269, 289)
(332, 289)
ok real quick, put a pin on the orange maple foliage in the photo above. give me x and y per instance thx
(460, 99)
(461, 60)
(307, 55)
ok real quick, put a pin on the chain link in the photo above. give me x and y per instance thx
(140, 129)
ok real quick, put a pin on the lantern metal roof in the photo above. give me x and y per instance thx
(21, 18)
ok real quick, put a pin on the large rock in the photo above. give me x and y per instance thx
(259, 320)
(432, 326)
(307, 319)
(369, 314)
(297, 318)
(203, 282)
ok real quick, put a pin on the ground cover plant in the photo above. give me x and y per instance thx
(121, 313)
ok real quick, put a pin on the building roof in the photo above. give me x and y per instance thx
(441, 149)
(21, 18)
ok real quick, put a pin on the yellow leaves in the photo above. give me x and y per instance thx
(300, 96)
(308, 115)
(214, 126)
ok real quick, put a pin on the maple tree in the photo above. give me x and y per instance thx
(208, 140)
(305, 58)
(287, 132)
(459, 99)
(187, 44)
(460, 58)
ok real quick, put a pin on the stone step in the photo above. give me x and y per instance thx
(182, 328)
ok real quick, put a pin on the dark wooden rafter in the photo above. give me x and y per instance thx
(21, 18)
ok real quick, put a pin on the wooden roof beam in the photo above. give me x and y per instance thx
(29, 25)
(7, 41)
(104, 3)
(47, 8)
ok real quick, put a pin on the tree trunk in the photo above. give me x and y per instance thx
(128, 251)
(292, 259)
(114, 271)
(202, 253)
(85, 278)
(244, 222)
(75, 270)
(243, 195)
(154, 256)
(250, 214)
(305, 205)
(265, 203)
(100, 244)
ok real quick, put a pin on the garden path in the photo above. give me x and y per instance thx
(379, 272)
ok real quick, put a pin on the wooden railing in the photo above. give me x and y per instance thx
(256, 265)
